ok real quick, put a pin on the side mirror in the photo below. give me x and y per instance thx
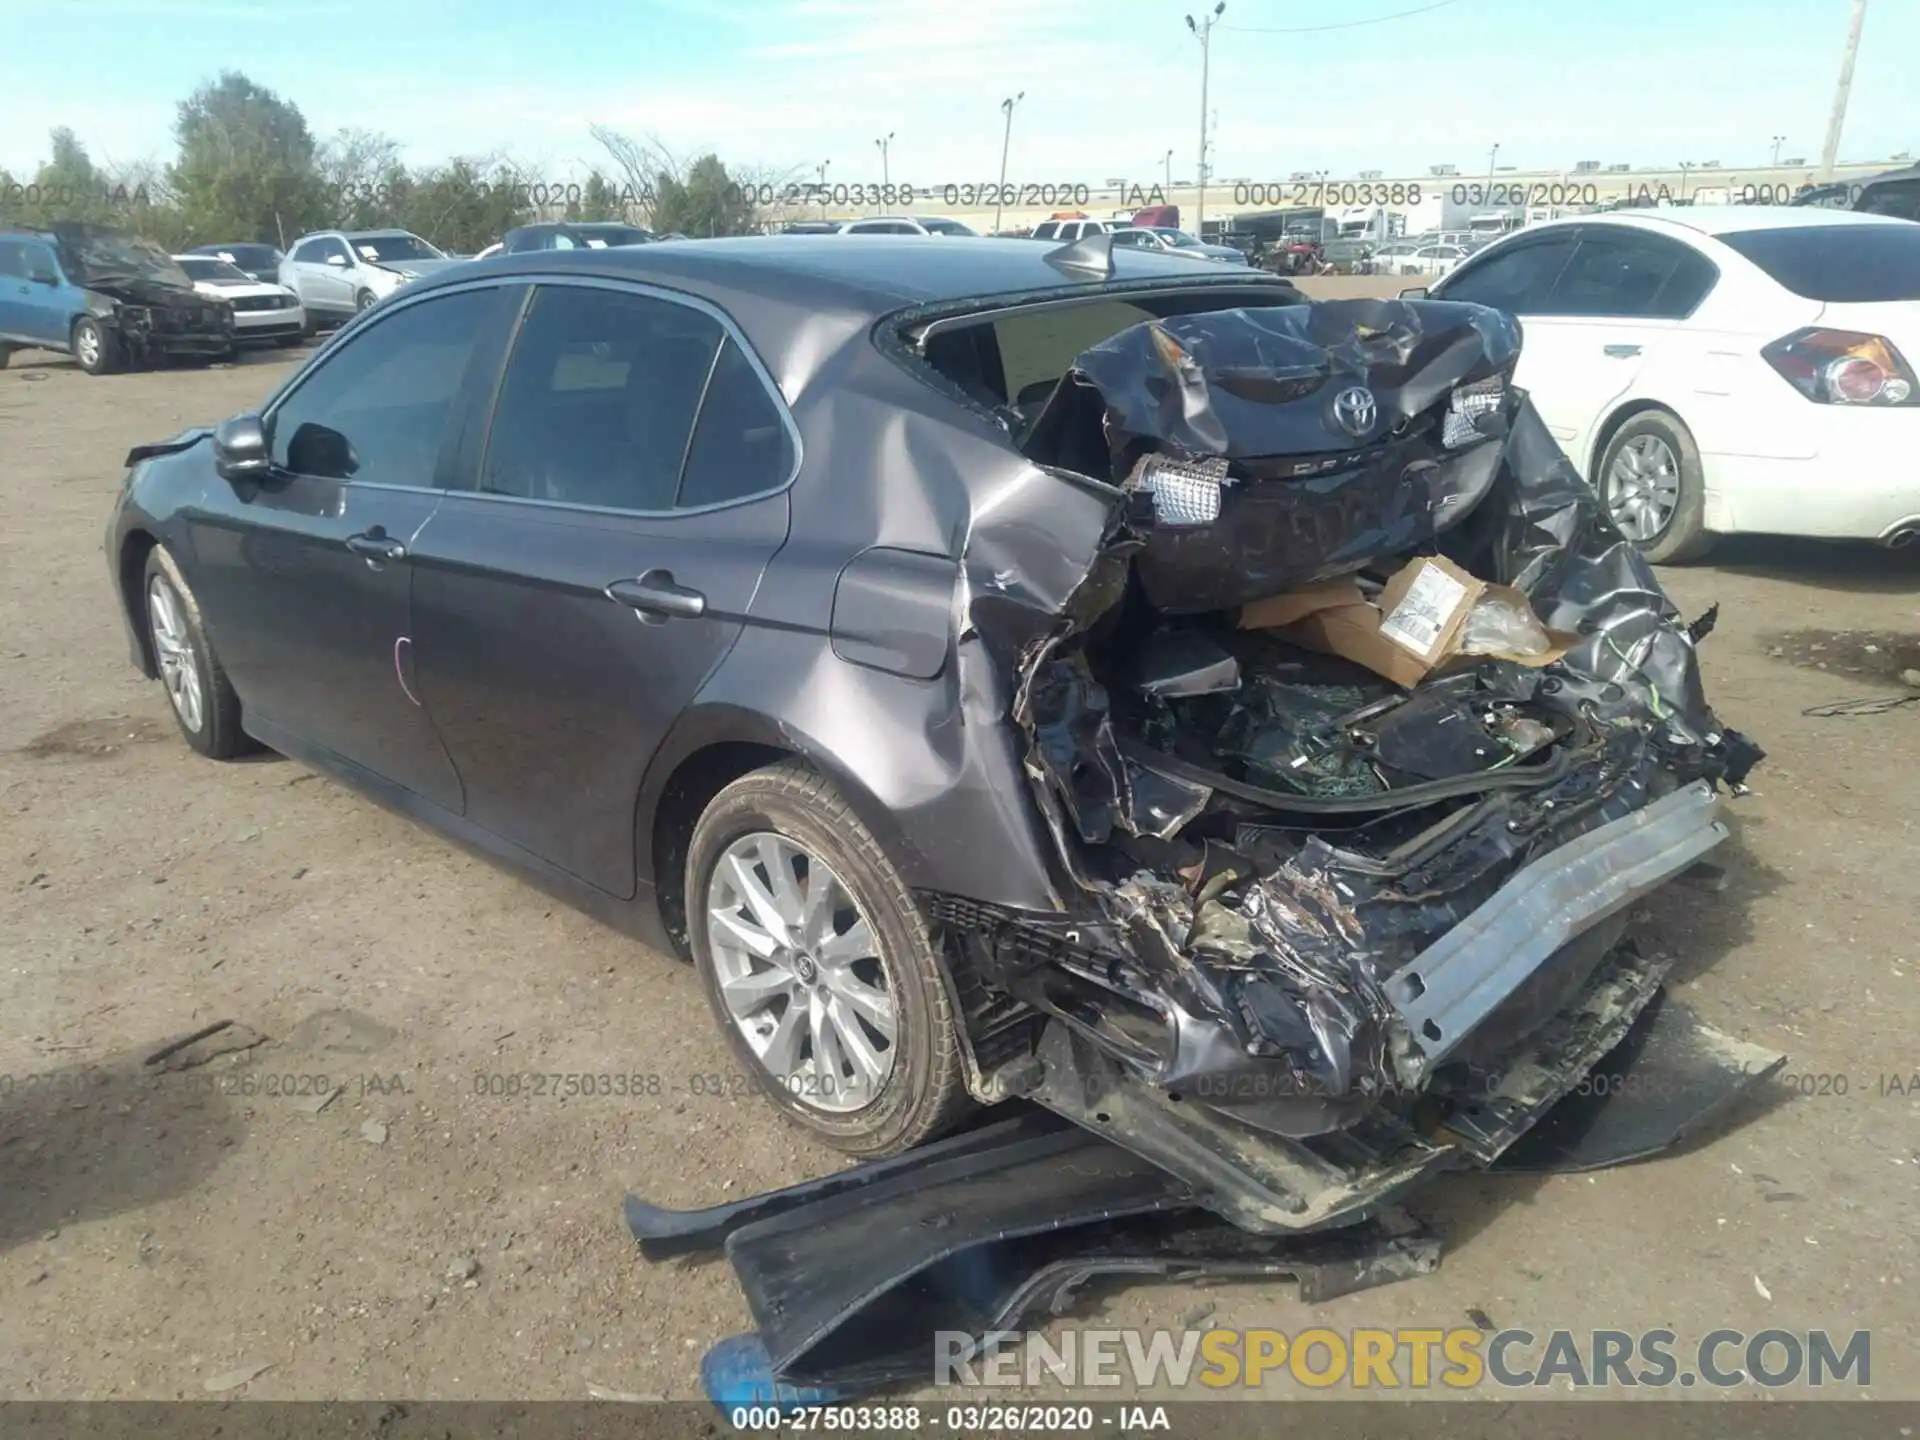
(240, 449)
(337, 259)
(40, 275)
(1416, 292)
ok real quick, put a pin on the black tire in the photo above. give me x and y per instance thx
(96, 349)
(218, 736)
(309, 326)
(1684, 538)
(364, 301)
(925, 1090)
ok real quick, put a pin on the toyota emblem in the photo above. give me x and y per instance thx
(1354, 409)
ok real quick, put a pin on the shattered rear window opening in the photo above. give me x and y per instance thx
(1362, 730)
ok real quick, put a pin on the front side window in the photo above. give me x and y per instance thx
(310, 252)
(598, 402)
(377, 410)
(1517, 280)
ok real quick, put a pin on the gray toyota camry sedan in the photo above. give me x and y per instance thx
(1004, 670)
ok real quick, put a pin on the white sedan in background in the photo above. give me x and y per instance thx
(1714, 370)
(1435, 260)
(262, 312)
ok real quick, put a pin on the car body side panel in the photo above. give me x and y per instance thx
(950, 806)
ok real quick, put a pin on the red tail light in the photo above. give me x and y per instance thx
(1843, 367)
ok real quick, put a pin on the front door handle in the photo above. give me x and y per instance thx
(655, 593)
(376, 545)
(1620, 352)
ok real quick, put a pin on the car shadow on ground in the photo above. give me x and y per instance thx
(85, 1142)
(1821, 564)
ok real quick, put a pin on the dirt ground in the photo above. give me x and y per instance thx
(166, 1234)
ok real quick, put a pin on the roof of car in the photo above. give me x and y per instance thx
(881, 272)
(1721, 219)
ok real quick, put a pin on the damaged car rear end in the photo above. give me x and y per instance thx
(1352, 725)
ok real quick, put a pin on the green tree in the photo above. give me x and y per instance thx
(247, 164)
(705, 201)
(699, 199)
(466, 205)
(599, 200)
(360, 178)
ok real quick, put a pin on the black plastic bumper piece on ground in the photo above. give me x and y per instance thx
(1669, 1079)
(851, 1277)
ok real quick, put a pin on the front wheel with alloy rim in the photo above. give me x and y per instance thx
(1651, 483)
(203, 702)
(96, 349)
(819, 965)
(363, 301)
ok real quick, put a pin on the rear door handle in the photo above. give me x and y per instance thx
(655, 593)
(1620, 352)
(376, 544)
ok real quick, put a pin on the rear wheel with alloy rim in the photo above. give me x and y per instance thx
(363, 301)
(203, 702)
(1651, 484)
(819, 966)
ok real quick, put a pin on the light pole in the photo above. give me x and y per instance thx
(1685, 166)
(1167, 160)
(1831, 150)
(1204, 33)
(886, 182)
(822, 171)
(1006, 142)
(1778, 141)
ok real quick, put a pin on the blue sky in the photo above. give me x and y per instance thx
(1110, 85)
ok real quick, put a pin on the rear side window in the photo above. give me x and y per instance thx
(1046, 230)
(740, 444)
(1619, 272)
(1839, 264)
(598, 402)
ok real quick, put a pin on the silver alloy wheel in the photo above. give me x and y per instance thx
(800, 974)
(178, 668)
(87, 346)
(1643, 487)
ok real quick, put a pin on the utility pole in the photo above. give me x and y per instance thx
(1168, 162)
(1204, 32)
(1778, 141)
(1831, 151)
(1006, 143)
(823, 187)
(886, 182)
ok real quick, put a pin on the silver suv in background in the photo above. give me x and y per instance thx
(338, 273)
